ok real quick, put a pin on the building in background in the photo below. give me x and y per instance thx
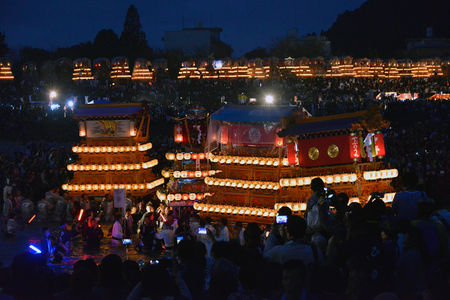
(197, 41)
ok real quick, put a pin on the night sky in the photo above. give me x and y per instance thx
(246, 24)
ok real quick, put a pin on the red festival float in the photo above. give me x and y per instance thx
(189, 168)
(268, 155)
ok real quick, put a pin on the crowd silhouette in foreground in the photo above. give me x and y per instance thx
(356, 252)
(375, 251)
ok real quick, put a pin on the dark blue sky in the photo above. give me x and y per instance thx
(246, 23)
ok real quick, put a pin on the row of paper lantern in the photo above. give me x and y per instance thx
(189, 174)
(111, 149)
(107, 187)
(235, 210)
(248, 160)
(185, 156)
(329, 179)
(113, 167)
(245, 184)
(382, 174)
(179, 196)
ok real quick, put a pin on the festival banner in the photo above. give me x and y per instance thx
(379, 144)
(355, 149)
(246, 135)
(109, 128)
(324, 151)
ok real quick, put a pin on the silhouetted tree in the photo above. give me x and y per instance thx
(174, 60)
(106, 44)
(133, 40)
(293, 46)
(34, 54)
(258, 52)
(383, 27)
(76, 51)
(3, 45)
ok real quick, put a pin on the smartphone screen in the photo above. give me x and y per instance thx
(202, 230)
(179, 239)
(126, 241)
(282, 219)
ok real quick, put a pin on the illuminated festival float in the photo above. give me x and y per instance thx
(141, 70)
(113, 153)
(120, 71)
(269, 155)
(5, 70)
(189, 168)
(82, 69)
(243, 144)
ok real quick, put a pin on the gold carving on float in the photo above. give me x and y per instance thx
(313, 153)
(333, 151)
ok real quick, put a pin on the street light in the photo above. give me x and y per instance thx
(52, 95)
(269, 99)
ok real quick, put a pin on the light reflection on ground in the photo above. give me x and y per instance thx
(31, 234)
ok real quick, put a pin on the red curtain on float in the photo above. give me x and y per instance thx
(224, 134)
(324, 151)
(379, 144)
(291, 153)
(355, 150)
(242, 134)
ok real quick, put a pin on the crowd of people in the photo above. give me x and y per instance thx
(352, 252)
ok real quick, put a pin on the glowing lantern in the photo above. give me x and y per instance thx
(379, 144)
(178, 134)
(279, 141)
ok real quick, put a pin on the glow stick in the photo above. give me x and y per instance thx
(31, 219)
(35, 249)
(81, 214)
(164, 219)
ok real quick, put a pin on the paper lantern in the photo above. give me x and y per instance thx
(379, 144)
(178, 134)
(279, 141)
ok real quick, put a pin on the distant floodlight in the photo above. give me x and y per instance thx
(35, 249)
(70, 103)
(54, 106)
(269, 99)
(218, 64)
(53, 94)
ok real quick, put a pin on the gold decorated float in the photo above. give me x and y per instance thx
(267, 156)
(113, 152)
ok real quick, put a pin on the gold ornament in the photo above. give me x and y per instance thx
(333, 151)
(313, 153)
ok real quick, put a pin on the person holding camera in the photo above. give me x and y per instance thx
(295, 248)
(317, 207)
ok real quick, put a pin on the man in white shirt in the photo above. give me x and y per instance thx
(294, 248)
(167, 235)
(117, 232)
(224, 234)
